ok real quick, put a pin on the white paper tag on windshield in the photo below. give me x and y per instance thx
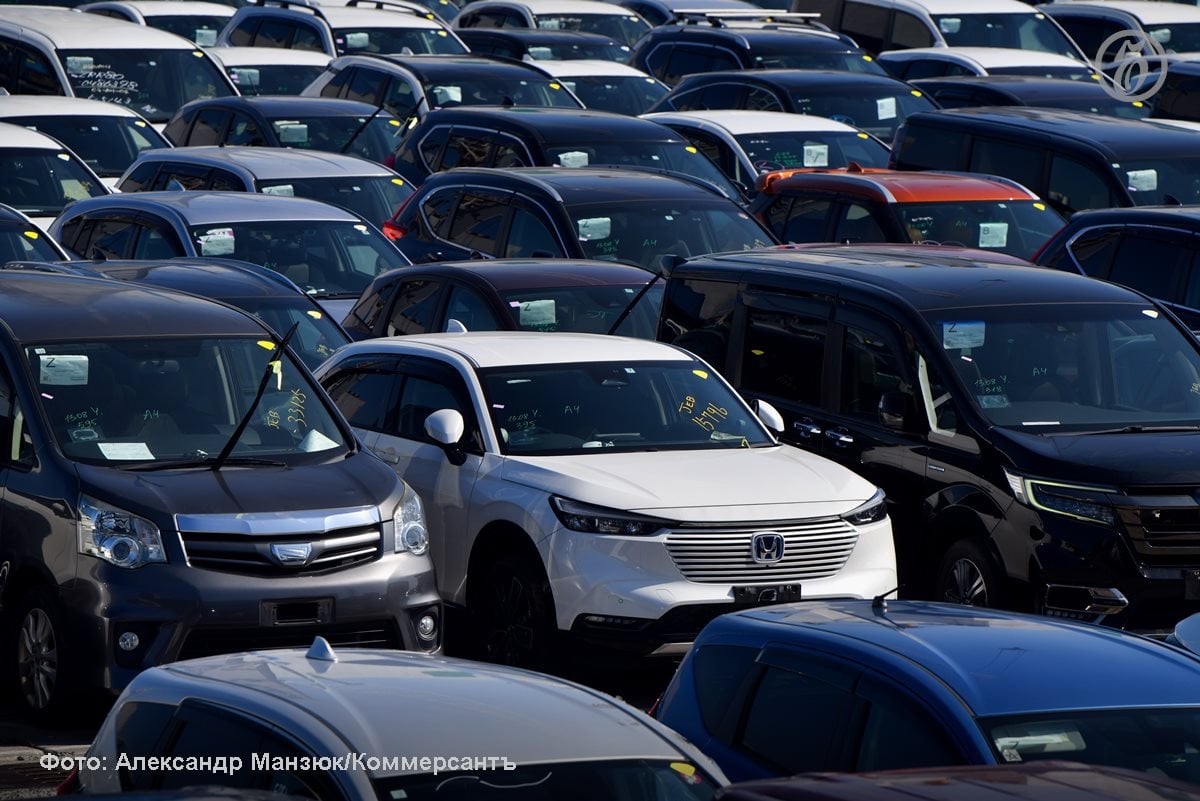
(993, 235)
(216, 242)
(573, 158)
(956, 336)
(124, 450)
(537, 313)
(1142, 180)
(283, 190)
(816, 155)
(205, 37)
(63, 371)
(886, 107)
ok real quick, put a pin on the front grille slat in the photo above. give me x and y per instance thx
(722, 556)
(208, 641)
(250, 554)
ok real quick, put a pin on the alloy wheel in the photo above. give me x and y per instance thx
(37, 659)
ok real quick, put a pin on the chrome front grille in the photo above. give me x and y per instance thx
(811, 550)
(254, 555)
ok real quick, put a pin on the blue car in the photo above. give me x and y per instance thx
(856, 685)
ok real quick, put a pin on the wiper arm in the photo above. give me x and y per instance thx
(207, 461)
(1138, 429)
(361, 128)
(276, 354)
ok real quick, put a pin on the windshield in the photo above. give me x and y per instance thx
(539, 410)
(1016, 227)
(375, 198)
(567, 51)
(797, 149)
(153, 400)
(642, 231)
(1018, 31)
(1160, 741)
(1044, 367)
(1100, 104)
(106, 144)
(417, 41)
(203, 29)
(326, 259)
(317, 336)
(586, 309)
(20, 242)
(1149, 181)
(274, 79)
(1080, 73)
(801, 59)
(374, 138)
(1176, 37)
(42, 182)
(624, 29)
(630, 780)
(675, 156)
(627, 94)
(154, 83)
(477, 90)
(876, 111)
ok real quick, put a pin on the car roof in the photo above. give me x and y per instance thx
(160, 8)
(18, 136)
(997, 662)
(212, 278)
(46, 307)
(738, 122)
(72, 30)
(925, 276)
(59, 106)
(252, 56)
(1120, 137)
(533, 35)
(517, 274)
(293, 105)
(962, 6)
(450, 66)
(903, 186)
(989, 57)
(397, 702)
(555, 124)
(208, 208)
(792, 79)
(589, 67)
(485, 349)
(562, 6)
(1149, 12)
(1139, 215)
(589, 184)
(269, 163)
(1034, 90)
(347, 17)
(760, 35)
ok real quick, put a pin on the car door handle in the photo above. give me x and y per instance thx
(840, 439)
(391, 457)
(806, 428)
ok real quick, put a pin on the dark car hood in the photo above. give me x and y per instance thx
(1115, 459)
(360, 480)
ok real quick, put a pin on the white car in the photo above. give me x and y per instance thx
(590, 16)
(940, 62)
(269, 70)
(41, 176)
(616, 489)
(197, 20)
(607, 85)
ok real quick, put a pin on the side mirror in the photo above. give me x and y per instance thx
(895, 410)
(769, 415)
(446, 427)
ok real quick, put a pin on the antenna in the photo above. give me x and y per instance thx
(878, 603)
(321, 651)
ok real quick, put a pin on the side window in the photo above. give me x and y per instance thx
(856, 223)
(720, 670)
(192, 177)
(697, 316)
(176, 130)
(899, 732)
(1093, 251)
(221, 181)
(784, 350)
(306, 37)
(139, 177)
(471, 309)
(19, 449)
(477, 221)
(209, 128)
(466, 150)
(35, 75)
(366, 86)
(335, 85)
(830, 10)
(808, 221)
(528, 237)
(364, 395)
(273, 33)
(1156, 263)
(684, 60)
(725, 95)
(1074, 186)
(371, 305)
(761, 100)
(156, 243)
(1089, 34)
(139, 727)
(414, 307)
(776, 216)
(909, 31)
(688, 101)
(926, 147)
(243, 34)
(431, 386)
(243, 130)
(437, 209)
(871, 366)
(923, 68)
(431, 147)
(510, 154)
(868, 24)
(400, 99)
(74, 235)
(1021, 163)
(112, 239)
(204, 732)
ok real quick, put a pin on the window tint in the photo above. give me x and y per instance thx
(364, 396)
(139, 726)
(909, 31)
(761, 100)
(784, 353)
(209, 733)
(928, 147)
(477, 221)
(243, 34)
(416, 302)
(431, 147)
(868, 25)
(870, 367)
(370, 306)
(155, 243)
(244, 131)
(529, 237)
(191, 177)
(437, 209)
(1074, 186)
(334, 87)
(400, 99)
(830, 10)
(306, 37)
(900, 734)
(1093, 251)
(139, 177)
(697, 316)
(209, 127)
(784, 697)
(1021, 163)
(366, 86)
(471, 309)
(273, 33)
(1154, 263)
(221, 181)
(112, 239)
(466, 150)
(511, 154)
(719, 671)
(724, 95)
(856, 224)
(808, 221)
(35, 75)
(422, 395)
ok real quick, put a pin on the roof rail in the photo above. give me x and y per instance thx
(693, 16)
(1000, 179)
(305, 4)
(394, 5)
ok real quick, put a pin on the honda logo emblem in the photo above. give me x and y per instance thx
(296, 553)
(766, 548)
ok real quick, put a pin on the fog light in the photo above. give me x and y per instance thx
(426, 627)
(128, 641)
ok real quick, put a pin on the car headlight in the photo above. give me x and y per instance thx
(411, 534)
(1080, 501)
(116, 536)
(872, 511)
(599, 520)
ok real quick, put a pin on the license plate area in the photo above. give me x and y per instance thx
(766, 594)
(296, 613)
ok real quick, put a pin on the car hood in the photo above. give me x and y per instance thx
(741, 484)
(1125, 459)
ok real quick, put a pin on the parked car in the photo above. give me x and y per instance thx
(66, 53)
(329, 252)
(410, 86)
(1174, 26)
(863, 205)
(1025, 423)
(360, 26)
(948, 62)
(583, 297)
(721, 44)
(607, 85)
(872, 103)
(662, 12)
(745, 144)
(41, 176)
(886, 685)
(21, 238)
(106, 136)
(618, 214)
(269, 70)
(569, 481)
(289, 704)
(1150, 249)
(536, 44)
(879, 25)
(192, 19)
(589, 16)
(198, 507)
(1176, 97)
(1072, 159)
(526, 137)
(1021, 90)
(366, 188)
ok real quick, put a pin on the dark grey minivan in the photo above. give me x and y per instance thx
(175, 484)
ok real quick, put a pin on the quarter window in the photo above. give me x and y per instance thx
(209, 127)
(1074, 186)
(529, 237)
(783, 697)
(697, 316)
(477, 221)
(415, 305)
(466, 150)
(470, 309)
(870, 367)
(364, 397)
(1093, 251)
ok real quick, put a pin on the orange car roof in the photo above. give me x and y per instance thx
(896, 186)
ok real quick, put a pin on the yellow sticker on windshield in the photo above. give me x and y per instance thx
(139, 123)
(31, 234)
(316, 315)
(394, 122)
(691, 149)
(863, 136)
(867, 58)
(398, 181)
(198, 53)
(555, 86)
(1138, 104)
(1040, 206)
(916, 93)
(757, 352)
(684, 768)
(442, 33)
(267, 344)
(700, 373)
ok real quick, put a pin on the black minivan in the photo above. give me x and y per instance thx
(1037, 432)
(176, 484)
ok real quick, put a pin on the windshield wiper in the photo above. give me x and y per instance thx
(205, 461)
(1137, 429)
(280, 346)
(360, 129)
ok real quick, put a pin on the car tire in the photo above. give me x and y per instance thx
(41, 656)
(969, 575)
(515, 615)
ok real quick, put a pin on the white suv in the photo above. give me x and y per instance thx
(613, 488)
